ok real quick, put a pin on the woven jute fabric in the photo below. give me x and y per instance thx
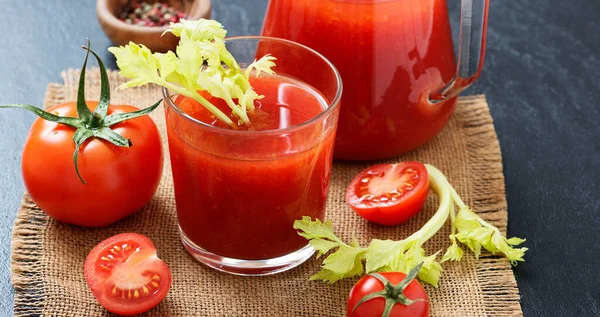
(48, 256)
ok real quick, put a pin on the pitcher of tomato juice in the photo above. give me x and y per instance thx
(397, 62)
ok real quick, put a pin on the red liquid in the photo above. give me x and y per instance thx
(238, 195)
(390, 54)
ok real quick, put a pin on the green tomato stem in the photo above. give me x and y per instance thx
(104, 100)
(83, 111)
(90, 125)
(95, 121)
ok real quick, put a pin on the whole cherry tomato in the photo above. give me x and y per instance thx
(388, 294)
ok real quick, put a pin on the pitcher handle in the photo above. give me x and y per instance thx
(471, 48)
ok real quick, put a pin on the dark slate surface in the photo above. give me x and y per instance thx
(540, 79)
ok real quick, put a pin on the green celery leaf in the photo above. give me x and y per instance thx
(136, 63)
(454, 252)
(348, 263)
(264, 64)
(323, 246)
(315, 229)
(381, 253)
(476, 234)
(199, 30)
(346, 260)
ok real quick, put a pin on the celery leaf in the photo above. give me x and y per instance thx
(201, 63)
(475, 233)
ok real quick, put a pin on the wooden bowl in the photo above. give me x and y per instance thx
(121, 33)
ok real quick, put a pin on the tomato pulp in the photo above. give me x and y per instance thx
(391, 55)
(238, 192)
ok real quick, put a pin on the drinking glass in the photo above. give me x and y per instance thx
(238, 192)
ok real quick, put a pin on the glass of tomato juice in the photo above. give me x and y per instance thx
(239, 191)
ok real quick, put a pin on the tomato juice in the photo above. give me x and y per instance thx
(238, 191)
(391, 55)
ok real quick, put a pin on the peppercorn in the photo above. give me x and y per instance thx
(144, 13)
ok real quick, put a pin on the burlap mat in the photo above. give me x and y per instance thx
(47, 256)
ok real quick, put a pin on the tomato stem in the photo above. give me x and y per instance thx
(88, 124)
(95, 121)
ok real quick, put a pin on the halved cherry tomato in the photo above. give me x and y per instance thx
(389, 194)
(375, 307)
(125, 275)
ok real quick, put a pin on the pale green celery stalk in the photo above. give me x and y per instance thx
(440, 185)
(240, 112)
(196, 96)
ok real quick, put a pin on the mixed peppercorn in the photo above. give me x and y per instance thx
(144, 13)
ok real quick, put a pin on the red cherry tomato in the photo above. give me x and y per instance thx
(125, 275)
(389, 194)
(375, 307)
(119, 180)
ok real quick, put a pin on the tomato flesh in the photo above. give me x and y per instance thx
(375, 306)
(125, 275)
(389, 194)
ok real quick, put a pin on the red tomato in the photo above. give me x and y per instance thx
(125, 275)
(375, 307)
(389, 194)
(119, 180)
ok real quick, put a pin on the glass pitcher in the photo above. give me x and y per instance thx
(397, 62)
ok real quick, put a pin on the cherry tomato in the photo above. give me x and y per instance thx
(389, 194)
(375, 307)
(125, 275)
(120, 180)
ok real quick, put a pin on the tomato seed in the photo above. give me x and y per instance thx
(156, 278)
(145, 290)
(397, 192)
(155, 284)
(136, 294)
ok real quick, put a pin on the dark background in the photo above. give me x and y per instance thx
(540, 78)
